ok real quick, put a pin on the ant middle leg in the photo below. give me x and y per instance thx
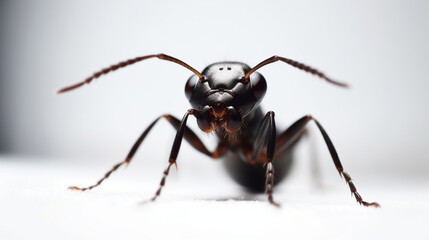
(188, 134)
(292, 134)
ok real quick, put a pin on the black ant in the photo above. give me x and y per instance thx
(225, 98)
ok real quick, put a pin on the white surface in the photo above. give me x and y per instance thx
(35, 204)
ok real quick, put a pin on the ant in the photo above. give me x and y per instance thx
(225, 98)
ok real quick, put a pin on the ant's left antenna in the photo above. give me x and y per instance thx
(293, 63)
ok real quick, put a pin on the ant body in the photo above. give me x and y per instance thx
(225, 98)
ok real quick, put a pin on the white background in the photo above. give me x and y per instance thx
(378, 125)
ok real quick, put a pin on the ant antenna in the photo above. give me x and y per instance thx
(293, 63)
(129, 62)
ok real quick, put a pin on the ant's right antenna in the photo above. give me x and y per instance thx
(129, 62)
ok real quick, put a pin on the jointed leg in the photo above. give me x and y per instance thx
(291, 134)
(174, 151)
(189, 135)
(266, 136)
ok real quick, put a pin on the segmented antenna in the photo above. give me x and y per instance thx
(127, 63)
(293, 63)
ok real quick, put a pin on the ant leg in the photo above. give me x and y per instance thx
(291, 135)
(174, 151)
(195, 141)
(189, 135)
(125, 162)
(266, 136)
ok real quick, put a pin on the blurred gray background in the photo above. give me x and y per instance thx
(379, 125)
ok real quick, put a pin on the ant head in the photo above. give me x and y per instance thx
(222, 98)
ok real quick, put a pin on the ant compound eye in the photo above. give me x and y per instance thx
(190, 85)
(258, 85)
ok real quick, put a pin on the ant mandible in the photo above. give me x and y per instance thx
(225, 98)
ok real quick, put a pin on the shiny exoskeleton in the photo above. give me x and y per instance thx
(225, 98)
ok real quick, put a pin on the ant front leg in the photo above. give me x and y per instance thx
(291, 135)
(266, 136)
(174, 151)
(189, 135)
